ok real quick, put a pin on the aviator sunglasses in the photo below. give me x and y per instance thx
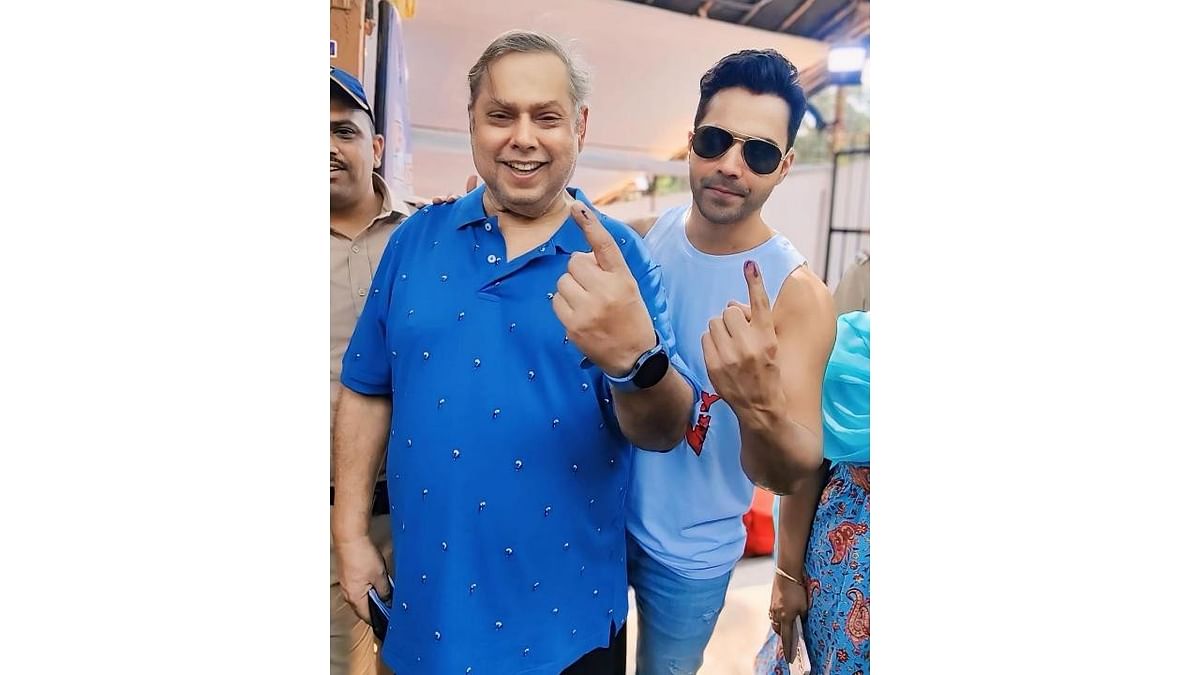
(761, 156)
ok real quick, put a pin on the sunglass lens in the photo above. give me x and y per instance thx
(709, 142)
(761, 157)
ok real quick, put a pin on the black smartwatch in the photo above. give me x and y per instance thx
(650, 368)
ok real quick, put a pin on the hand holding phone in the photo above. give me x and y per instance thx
(380, 610)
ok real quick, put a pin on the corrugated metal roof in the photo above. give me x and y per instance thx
(831, 21)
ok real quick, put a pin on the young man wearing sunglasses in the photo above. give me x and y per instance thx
(757, 327)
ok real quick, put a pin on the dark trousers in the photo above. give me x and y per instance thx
(608, 660)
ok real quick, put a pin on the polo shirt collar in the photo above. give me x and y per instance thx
(468, 210)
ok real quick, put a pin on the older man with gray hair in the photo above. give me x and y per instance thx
(513, 350)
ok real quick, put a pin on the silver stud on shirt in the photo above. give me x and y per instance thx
(444, 546)
(435, 243)
(455, 453)
(444, 277)
(526, 652)
(462, 315)
(584, 386)
(483, 504)
(554, 611)
(512, 327)
(518, 464)
(424, 492)
(591, 502)
(508, 551)
(495, 413)
(573, 632)
(622, 241)
(424, 578)
(530, 375)
(566, 546)
(554, 423)
(425, 355)
(542, 249)
(410, 442)
(403, 277)
(595, 593)
(536, 584)
(357, 357)
(404, 606)
(547, 508)
(499, 625)
(477, 362)
(441, 402)
(472, 588)
(581, 569)
(574, 467)
(549, 296)
(437, 635)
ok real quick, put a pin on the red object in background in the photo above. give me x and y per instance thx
(760, 528)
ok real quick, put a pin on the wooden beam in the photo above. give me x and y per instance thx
(795, 16)
(754, 10)
(832, 22)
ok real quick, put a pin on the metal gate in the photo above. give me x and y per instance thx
(848, 233)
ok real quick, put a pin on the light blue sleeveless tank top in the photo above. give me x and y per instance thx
(686, 505)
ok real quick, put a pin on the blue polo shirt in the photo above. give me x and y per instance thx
(507, 471)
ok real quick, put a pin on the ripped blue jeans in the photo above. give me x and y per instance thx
(675, 615)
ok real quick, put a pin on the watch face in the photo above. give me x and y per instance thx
(652, 370)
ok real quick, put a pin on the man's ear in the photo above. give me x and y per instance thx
(377, 145)
(582, 130)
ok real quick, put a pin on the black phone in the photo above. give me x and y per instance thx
(380, 610)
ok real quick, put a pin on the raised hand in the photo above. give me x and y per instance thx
(740, 348)
(598, 301)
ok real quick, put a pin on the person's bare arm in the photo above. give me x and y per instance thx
(600, 303)
(360, 432)
(656, 418)
(790, 599)
(768, 365)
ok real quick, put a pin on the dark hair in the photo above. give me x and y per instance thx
(762, 71)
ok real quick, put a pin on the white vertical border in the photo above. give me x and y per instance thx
(166, 423)
(1035, 345)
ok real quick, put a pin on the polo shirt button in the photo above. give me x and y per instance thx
(354, 248)
(492, 258)
(487, 226)
(362, 292)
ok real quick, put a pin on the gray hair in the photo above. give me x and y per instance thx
(529, 42)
